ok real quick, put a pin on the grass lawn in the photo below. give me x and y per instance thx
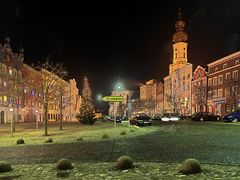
(156, 150)
(70, 133)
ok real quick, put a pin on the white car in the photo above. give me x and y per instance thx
(170, 117)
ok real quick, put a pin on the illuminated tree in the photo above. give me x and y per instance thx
(86, 115)
(51, 80)
(202, 93)
(233, 91)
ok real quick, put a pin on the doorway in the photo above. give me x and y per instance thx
(2, 117)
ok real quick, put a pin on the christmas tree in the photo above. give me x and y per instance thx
(86, 115)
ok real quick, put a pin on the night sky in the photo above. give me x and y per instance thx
(105, 40)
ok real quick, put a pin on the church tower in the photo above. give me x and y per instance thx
(179, 39)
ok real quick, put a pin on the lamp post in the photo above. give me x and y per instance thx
(11, 110)
(37, 120)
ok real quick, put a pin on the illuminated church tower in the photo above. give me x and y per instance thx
(179, 38)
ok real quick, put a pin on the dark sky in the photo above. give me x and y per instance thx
(108, 39)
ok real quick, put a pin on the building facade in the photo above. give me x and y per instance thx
(152, 92)
(121, 108)
(21, 93)
(200, 90)
(224, 78)
(11, 81)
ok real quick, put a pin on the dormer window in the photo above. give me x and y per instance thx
(237, 62)
(216, 69)
(224, 66)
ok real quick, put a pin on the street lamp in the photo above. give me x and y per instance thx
(11, 110)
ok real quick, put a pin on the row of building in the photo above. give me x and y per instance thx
(21, 95)
(189, 89)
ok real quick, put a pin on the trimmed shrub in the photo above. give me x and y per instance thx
(20, 141)
(64, 164)
(105, 136)
(190, 166)
(123, 133)
(48, 140)
(80, 139)
(5, 166)
(124, 162)
(132, 130)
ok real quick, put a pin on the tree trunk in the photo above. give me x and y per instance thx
(61, 111)
(45, 119)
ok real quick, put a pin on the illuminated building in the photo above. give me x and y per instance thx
(177, 85)
(224, 78)
(152, 92)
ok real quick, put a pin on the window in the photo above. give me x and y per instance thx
(215, 94)
(235, 74)
(4, 83)
(220, 93)
(175, 55)
(10, 71)
(224, 66)
(188, 76)
(220, 79)
(210, 81)
(228, 76)
(183, 78)
(228, 108)
(4, 98)
(236, 62)
(216, 69)
(25, 90)
(214, 81)
(227, 93)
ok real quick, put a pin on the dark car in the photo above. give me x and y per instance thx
(232, 117)
(157, 117)
(205, 116)
(118, 120)
(141, 120)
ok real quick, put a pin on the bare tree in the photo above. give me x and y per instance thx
(174, 102)
(64, 98)
(233, 91)
(202, 93)
(51, 76)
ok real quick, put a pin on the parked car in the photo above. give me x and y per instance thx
(157, 117)
(205, 116)
(141, 120)
(232, 117)
(118, 120)
(170, 117)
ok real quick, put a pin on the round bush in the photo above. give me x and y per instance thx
(48, 140)
(105, 136)
(20, 141)
(190, 166)
(80, 139)
(123, 133)
(5, 166)
(124, 162)
(64, 164)
(132, 130)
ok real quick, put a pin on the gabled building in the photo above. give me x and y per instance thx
(224, 78)
(11, 81)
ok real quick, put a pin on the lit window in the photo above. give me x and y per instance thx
(227, 76)
(10, 71)
(210, 81)
(235, 74)
(220, 93)
(224, 66)
(25, 90)
(214, 81)
(4, 98)
(220, 79)
(33, 93)
(4, 83)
